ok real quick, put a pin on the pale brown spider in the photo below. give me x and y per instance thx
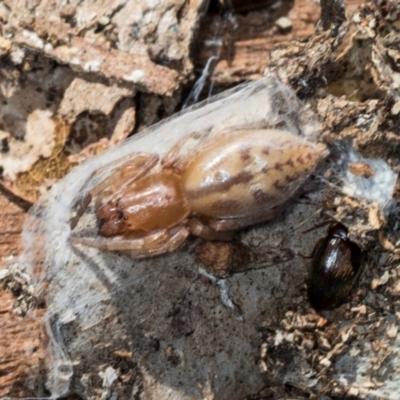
(150, 205)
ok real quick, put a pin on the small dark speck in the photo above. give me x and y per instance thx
(155, 344)
(174, 312)
(5, 102)
(1, 171)
(5, 148)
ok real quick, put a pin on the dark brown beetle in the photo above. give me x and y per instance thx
(335, 268)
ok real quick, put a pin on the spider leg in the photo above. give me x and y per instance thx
(81, 209)
(178, 163)
(129, 171)
(232, 224)
(158, 242)
(176, 236)
(202, 230)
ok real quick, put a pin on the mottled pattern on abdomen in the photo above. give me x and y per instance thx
(242, 174)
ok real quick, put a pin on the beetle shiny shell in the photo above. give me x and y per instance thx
(335, 268)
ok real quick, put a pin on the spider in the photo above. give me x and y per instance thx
(149, 205)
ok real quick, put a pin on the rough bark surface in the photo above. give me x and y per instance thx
(242, 43)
